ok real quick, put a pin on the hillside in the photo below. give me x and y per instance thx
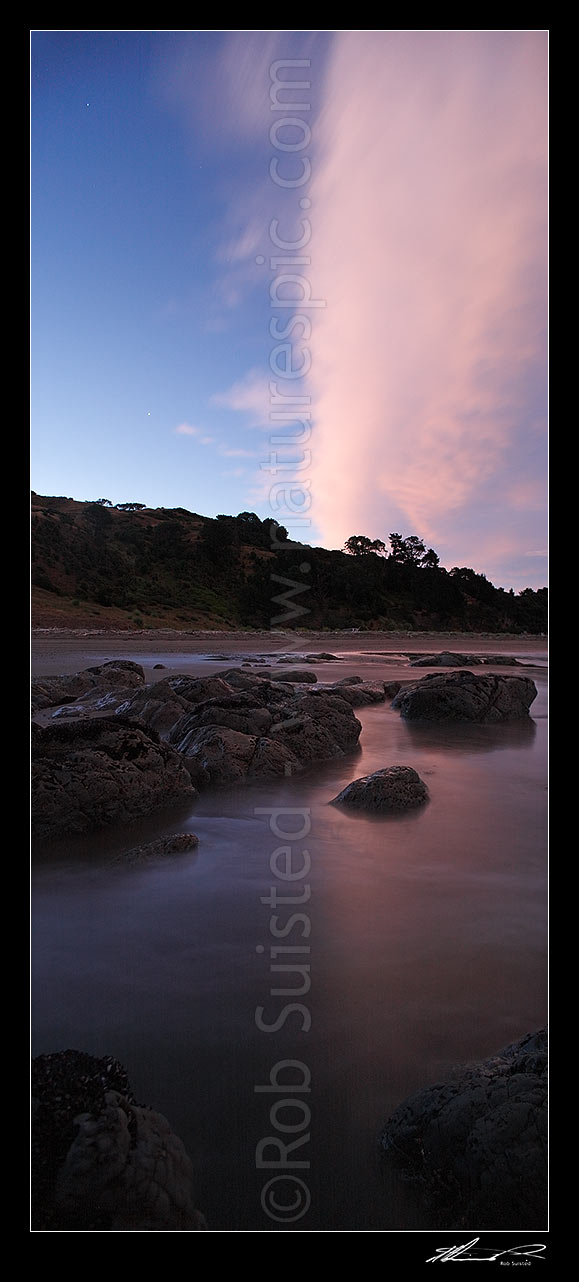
(132, 567)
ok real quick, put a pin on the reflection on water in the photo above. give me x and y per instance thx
(426, 939)
(461, 737)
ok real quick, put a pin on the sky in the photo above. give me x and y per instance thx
(297, 273)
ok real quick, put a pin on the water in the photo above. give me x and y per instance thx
(426, 936)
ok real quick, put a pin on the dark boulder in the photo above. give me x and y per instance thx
(466, 696)
(326, 706)
(163, 703)
(360, 693)
(388, 791)
(91, 773)
(475, 1146)
(226, 756)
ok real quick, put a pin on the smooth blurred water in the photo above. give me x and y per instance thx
(427, 948)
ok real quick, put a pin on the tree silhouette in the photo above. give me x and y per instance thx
(359, 545)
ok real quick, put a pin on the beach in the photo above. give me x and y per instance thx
(425, 947)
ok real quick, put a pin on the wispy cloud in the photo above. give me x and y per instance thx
(187, 429)
(251, 395)
(227, 452)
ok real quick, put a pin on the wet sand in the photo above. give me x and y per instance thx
(55, 652)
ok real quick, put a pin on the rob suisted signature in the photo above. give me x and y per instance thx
(471, 1251)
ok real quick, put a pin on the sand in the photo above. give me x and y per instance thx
(62, 652)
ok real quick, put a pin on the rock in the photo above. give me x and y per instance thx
(297, 675)
(449, 659)
(360, 693)
(465, 696)
(327, 658)
(100, 1162)
(348, 681)
(198, 689)
(91, 773)
(179, 843)
(325, 705)
(161, 704)
(307, 739)
(116, 675)
(158, 706)
(238, 711)
(235, 679)
(446, 659)
(501, 660)
(391, 688)
(386, 791)
(225, 756)
(159, 665)
(302, 729)
(475, 1146)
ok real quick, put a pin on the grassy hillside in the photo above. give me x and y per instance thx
(98, 566)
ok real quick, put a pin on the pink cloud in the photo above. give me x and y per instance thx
(428, 244)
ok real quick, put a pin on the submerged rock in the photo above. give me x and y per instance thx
(466, 696)
(446, 659)
(100, 1162)
(501, 661)
(90, 773)
(450, 659)
(178, 843)
(475, 1146)
(394, 789)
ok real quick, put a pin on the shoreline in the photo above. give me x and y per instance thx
(56, 651)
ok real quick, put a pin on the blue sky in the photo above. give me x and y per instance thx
(151, 319)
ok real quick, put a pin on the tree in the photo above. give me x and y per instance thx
(407, 551)
(130, 507)
(430, 560)
(359, 545)
(415, 549)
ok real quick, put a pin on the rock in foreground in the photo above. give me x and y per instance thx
(91, 773)
(475, 1146)
(386, 791)
(99, 1161)
(467, 696)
